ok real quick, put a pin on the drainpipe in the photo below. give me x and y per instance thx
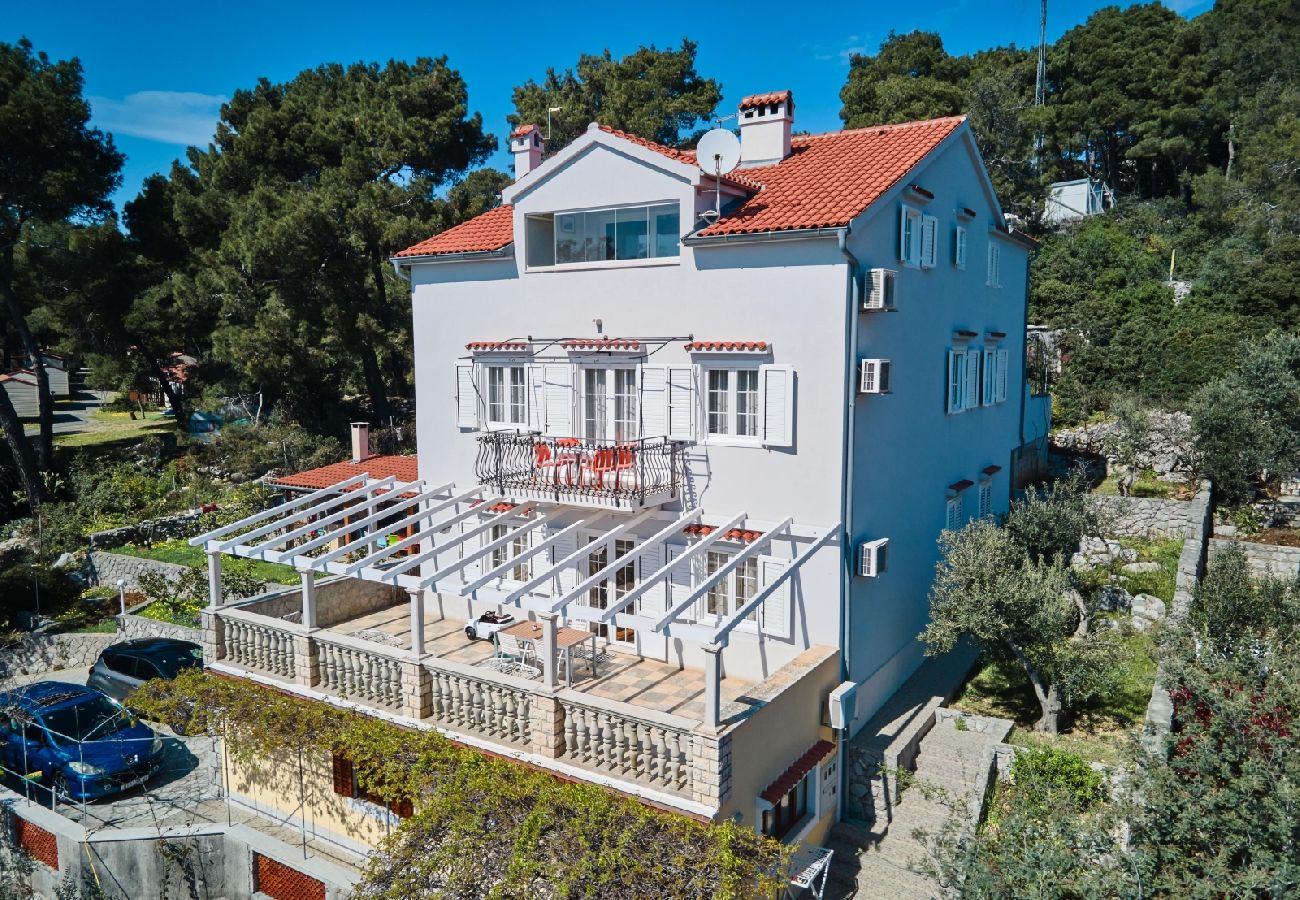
(397, 267)
(1024, 368)
(853, 317)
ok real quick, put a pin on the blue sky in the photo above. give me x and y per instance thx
(157, 73)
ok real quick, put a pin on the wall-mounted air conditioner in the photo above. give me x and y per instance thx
(880, 289)
(871, 557)
(873, 376)
(842, 706)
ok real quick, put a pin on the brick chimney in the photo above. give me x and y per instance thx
(527, 145)
(765, 123)
(360, 441)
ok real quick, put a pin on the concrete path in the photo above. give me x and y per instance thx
(74, 415)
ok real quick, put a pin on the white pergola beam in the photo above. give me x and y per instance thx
(404, 503)
(583, 550)
(431, 532)
(483, 551)
(345, 549)
(654, 540)
(532, 551)
(720, 633)
(274, 511)
(371, 501)
(285, 521)
(717, 577)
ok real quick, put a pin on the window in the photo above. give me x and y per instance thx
(986, 498)
(732, 409)
(929, 241)
(620, 585)
(508, 551)
(909, 236)
(956, 381)
(989, 385)
(953, 518)
(507, 400)
(959, 247)
(789, 810)
(738, 586)
(995, 265)
(603, 235)
(347, 785)
(609, 398)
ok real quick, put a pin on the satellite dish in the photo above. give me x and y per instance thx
(718, 152)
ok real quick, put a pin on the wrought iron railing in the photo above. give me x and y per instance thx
(578, 470)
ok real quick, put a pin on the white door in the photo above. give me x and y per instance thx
(609, 404)
(603, 593)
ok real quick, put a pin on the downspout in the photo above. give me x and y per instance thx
(397, 267)
(846, 498)
(1024, 370)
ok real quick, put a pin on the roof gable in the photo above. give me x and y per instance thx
(492, 230)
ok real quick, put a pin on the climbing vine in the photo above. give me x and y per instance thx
(483, 827)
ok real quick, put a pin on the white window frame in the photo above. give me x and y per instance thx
(994, 278)
(747, 574)
(521, 543)
(956, 387)
(610, 401)
(507, 369)
(909, 235)
(989, 373)
(986, 497)
(609, 553)
(730, 437)
(954, 511)
(959, 247)
(607, 263)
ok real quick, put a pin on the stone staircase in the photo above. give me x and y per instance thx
(881, 859)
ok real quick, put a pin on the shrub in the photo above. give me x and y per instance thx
(1046, 778)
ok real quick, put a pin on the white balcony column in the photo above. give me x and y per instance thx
(308, 597)
(712, 685)
(214, 578)
(549, 648)
(417, 621)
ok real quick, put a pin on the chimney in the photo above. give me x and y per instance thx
(360, 441)
(765, 123)
(527, 145)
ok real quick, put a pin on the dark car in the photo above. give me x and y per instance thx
(75, 741)
(123, 667)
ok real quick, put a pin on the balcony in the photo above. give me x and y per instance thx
(578, 472)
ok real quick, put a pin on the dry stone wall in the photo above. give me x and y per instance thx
(1167, 451)
(1264, 559)
(181, 525)
(38, 653)
(106, 568)
(132, 627)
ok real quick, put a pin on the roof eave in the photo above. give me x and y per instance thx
(781, 234)
(500, 253)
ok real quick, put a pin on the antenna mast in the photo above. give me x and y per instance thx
(1040, 79)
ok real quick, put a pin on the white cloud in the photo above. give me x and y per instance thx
(842, 53)
(171, 117)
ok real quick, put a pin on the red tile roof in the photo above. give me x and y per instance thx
(765, 99)
(828, 179)
(723, 346)
(404, 468)
(496, 345)
(503, 506)
(601, 344)
(960, 485)
(22, 376)
(796, 773)
(491, 230)
(684, 156)
(734, 534)
(523, 130)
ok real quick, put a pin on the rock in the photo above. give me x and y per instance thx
(67, 561)
(1113, 598)
(1145, 610)
(14, 550)
(1138, 568)
(1126, 555)
(1225, 530)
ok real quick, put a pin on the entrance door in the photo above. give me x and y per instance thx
(603, 593)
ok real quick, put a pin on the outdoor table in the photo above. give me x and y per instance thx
(565, 640)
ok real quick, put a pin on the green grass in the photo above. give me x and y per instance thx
(162, 612)
(107, 427)
(180, 553)
(1146, 485)
(1158, 584)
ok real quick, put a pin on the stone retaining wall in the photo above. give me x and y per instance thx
(337, 600)
(181, 525)
(1150, 517)
(38, 653)
(132, 627)
(1166, 451)
(1264, 559)
(106, 568)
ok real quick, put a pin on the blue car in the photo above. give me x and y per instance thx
(75, 741)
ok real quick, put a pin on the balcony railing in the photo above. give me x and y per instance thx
(618, 474)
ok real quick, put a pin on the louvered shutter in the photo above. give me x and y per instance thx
(558, 388)
(959, 247)
(971, 398)
(680, 582)
(929, 241)
(776, 399)
(956, 380)
(1002, 376)
(995, 253)
(775, 616)
(681, 403)
(990, 370)
(653, 381)
(467, 400)
(903, 248)
(652, 601)
(342, 775)
(535, 388)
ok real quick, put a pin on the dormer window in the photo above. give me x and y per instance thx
(601, 236)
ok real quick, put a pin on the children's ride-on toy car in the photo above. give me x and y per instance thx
(486, 625)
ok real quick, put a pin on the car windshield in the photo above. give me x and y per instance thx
(171, 660)
(83, 721)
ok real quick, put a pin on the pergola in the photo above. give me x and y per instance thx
(369, 520)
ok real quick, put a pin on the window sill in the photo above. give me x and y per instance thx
(723, 440)
(607, 264)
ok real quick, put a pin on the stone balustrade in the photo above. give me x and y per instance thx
(494, 706)
(628, 742)
(257, 642)
(357, 670)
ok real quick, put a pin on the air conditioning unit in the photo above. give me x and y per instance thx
(871, 558)
(873, 376)
(843, 705)
(880, 289)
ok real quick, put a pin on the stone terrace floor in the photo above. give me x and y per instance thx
(619, 676)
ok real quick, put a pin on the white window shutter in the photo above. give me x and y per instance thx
(989, 380)
(652, 601)
(959, 247)
(972, 396)
(903, 253)
(567, 578)
(956, 380)
(680, 581)
(929, 241)
(995, 253)
(559, 399)
(775, 614)
(681, 405)
(467, 400)
(654, 400)
(1001, 390)
(868, 375)
(535, 382)
(776, 399)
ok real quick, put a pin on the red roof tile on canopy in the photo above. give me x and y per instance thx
(724, 346)
(734, 534)
(523, 130)
(795, 774)
(482, 346)
(601, 344)
(403, 468)
(491, 230)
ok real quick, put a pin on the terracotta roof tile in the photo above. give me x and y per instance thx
(684, 156)
(503, 506)
(725, 346)
(796, 773)
(403, 468)
(734, 534)
(523, 130)
(480, 346)
(992, 470)
(828, 179)
(960, 485)
(765, 99)
(601, 344)
(491, 230)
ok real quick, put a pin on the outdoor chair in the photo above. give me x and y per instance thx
(511, 648)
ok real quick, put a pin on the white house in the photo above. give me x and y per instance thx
(1069, 201)
(23, 393)
(711, 455)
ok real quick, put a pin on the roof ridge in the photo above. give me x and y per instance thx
(893, 126)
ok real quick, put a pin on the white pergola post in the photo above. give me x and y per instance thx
(417, 621)
(308, 598)
(712, 685)
(214, 578)
(549, 649)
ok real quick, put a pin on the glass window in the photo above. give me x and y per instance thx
(667, 229)
(789, 810)
(747, 402)
(733, 402)
(747, 585)
(568, 238)
(632, 233)
(540, 236)
(609, 404)
(599, 235)
(508, 551)
(718, 601)
(507, 397)
(719, 401)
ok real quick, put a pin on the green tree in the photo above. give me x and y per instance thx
(652, 93)
(53, 166)
(911, 77)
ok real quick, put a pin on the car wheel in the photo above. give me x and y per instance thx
(59, 789)
(470, 633)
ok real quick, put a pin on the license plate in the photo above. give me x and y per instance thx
(134, 782)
